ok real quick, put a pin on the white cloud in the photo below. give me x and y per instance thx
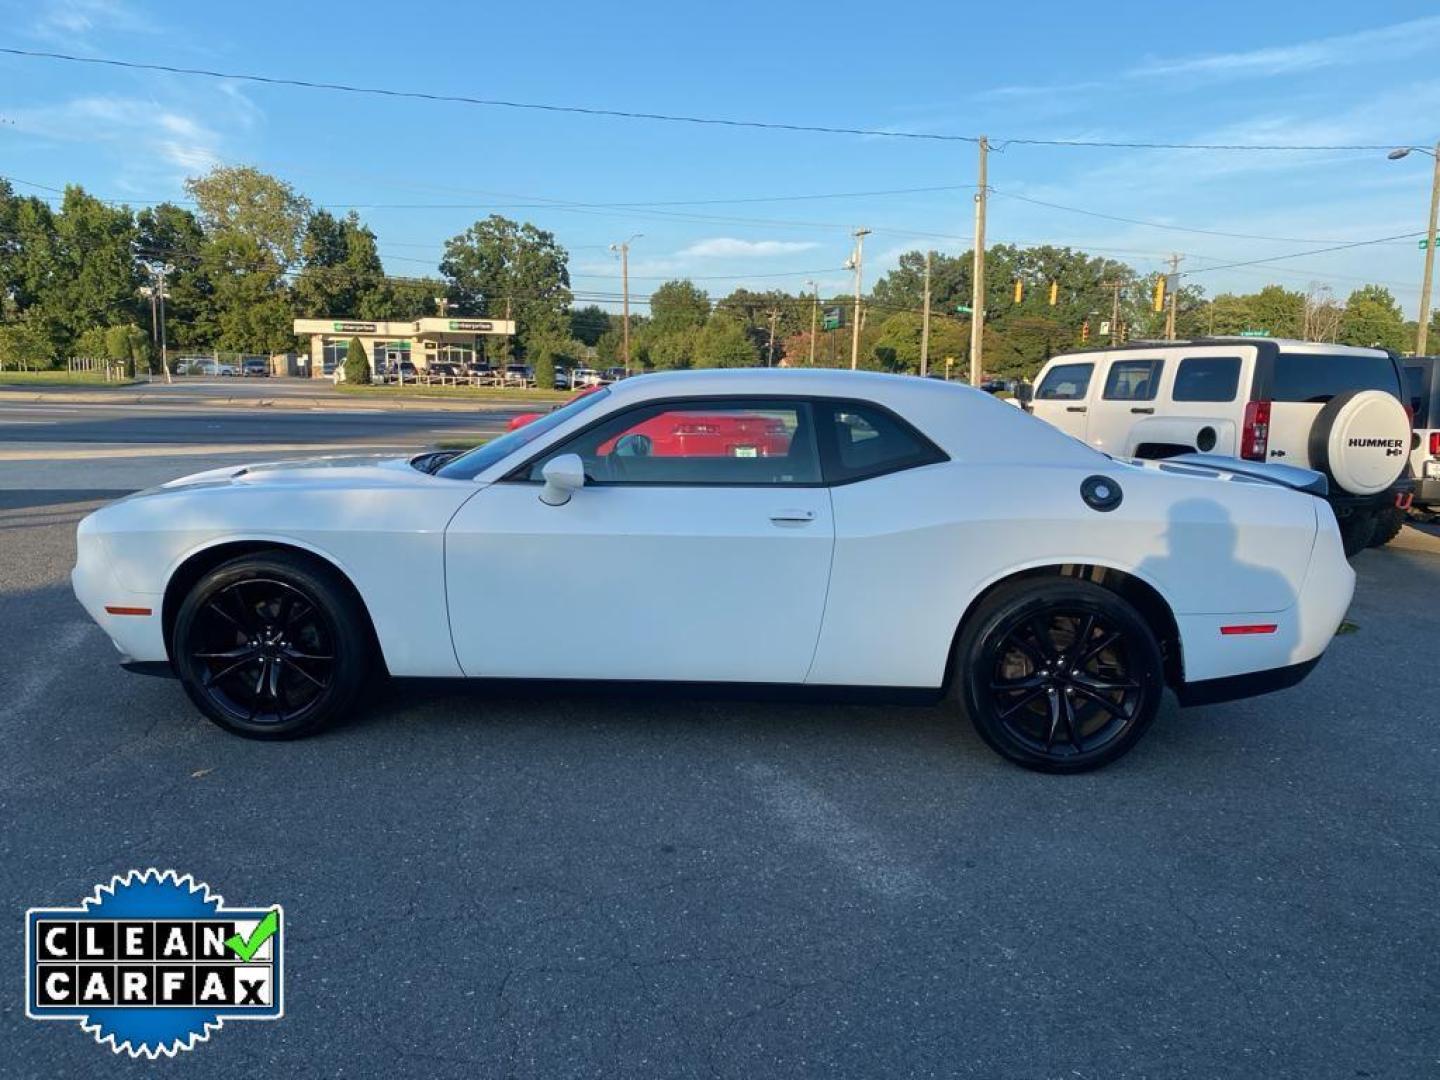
(1382, 45)
(721, 247)
(146, 132)
(69, 21)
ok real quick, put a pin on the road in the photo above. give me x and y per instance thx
(189, 427)
(485, 883)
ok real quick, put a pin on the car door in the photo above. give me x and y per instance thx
(1127, 396)
(698, 549)
(1061, 398)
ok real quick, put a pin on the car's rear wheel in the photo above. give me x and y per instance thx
(1059, 675)
(271, 646)
(1388, 524)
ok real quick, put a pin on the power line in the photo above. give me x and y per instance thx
(1158, 224)
(671, 118)
(1303, 254)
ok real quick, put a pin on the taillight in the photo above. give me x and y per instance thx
(1255, 436)
(1435, 444)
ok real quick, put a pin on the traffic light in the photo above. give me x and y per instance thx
(1019, 290)
(1160, 293)
(1085, 331)
(1054, 292)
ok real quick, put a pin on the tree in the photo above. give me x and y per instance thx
(678, 305)
(128, 345)
(254, 227)
(588, 323)
(342, 272)
(169, 238)
(1372, 317)
(499, 267)
(24, 344)
(723, 342)
(93, 278)
(357, 366)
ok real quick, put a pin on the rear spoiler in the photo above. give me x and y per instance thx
(1291, 476)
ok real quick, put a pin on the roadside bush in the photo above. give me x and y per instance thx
(357, 367)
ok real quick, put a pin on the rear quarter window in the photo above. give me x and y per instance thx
(1065, 382)
(1133, 380)
(1420, 393)
(1207, 378)
(1315, 378)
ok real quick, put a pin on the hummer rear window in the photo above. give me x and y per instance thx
(1315, 378)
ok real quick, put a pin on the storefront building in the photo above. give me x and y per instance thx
(422, 342)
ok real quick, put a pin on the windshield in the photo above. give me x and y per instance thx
(473, 462)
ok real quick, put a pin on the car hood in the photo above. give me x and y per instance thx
(358, 470)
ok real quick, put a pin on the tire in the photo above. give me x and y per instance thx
(272, 646)
(1063, 715)
(1356, 532)
(1388, 524)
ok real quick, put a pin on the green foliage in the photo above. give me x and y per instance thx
(588, 323)
(342, 272)
(25, 344)
(1372, 317)
(723, 342)
(357, 366)
(128, 344)
(498, 265)
(678, 305)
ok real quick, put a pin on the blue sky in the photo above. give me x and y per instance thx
(420, 172)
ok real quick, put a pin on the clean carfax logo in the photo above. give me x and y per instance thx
(153, 963)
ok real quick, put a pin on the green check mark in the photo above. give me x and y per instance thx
(245, 949)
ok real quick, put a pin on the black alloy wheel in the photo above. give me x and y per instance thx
(270, 646)
(1060, 675)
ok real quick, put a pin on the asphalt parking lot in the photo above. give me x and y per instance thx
(487, 883)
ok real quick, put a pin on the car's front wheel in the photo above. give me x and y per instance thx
(271, 646)
(1058, 675)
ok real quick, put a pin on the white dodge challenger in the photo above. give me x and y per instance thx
(817, 528)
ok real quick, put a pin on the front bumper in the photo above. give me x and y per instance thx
(131, 620)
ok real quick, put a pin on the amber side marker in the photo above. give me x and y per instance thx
(112, 609)
(1253, 628)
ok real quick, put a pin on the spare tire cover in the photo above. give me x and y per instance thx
(1360, 440)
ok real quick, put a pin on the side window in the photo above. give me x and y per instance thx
(1133, 380)
(1065, 382)
(1207, 378)
(734, 442)
(863, 440)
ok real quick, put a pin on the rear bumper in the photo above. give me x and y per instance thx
(1252, 684)
(1345, 505)
(1427, 492)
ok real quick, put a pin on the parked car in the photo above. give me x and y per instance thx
(562, 378)
(612, 374)
(1333, 408)
(255, 366)
(913, 535)
(393, 371)
(204, 365)
(519, 375)
(444, 369)
(481, 372)
(583, 377)
(1422, 387)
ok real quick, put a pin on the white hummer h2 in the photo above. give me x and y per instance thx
(1336, 409)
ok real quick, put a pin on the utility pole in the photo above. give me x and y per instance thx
(977, 285)
(164, 347)
(1114, 287)
(814, 312)
(858, 265)
(624, 250)
(1422, 335)
(770, 353)
(925, 324)
(1174, 294)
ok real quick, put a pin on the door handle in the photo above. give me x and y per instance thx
(793, 517)
(1074, 408)
(1142, 408)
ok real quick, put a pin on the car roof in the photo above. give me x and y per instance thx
(1290, 345)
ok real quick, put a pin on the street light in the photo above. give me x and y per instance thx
(1422, 335)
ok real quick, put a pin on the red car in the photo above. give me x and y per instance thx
(695, 435)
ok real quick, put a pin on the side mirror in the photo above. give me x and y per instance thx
(564, 475)
(1024, 393)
